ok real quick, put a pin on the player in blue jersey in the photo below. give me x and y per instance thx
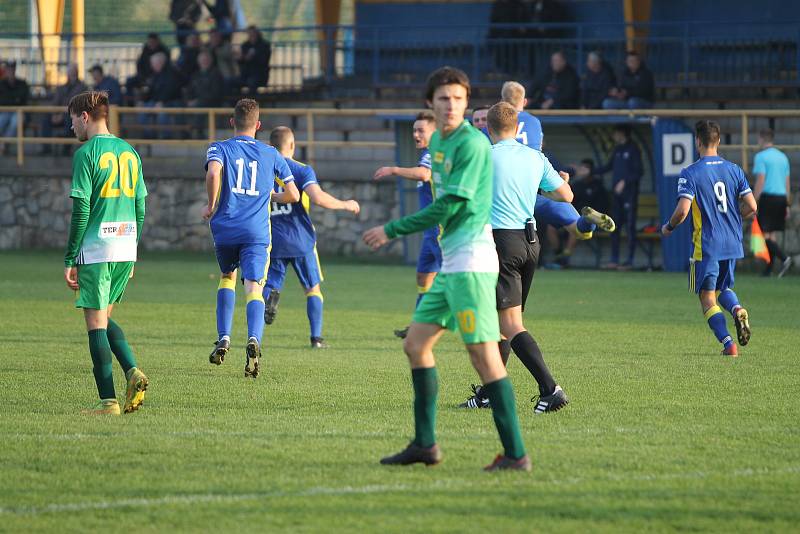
(429, 261)
(294, 239)
(550, 212)
(240, 173)
(712, 188)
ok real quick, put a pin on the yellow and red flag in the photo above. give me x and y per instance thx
(758, 245)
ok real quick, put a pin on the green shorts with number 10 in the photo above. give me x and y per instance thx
(465, 301)
(102, 283)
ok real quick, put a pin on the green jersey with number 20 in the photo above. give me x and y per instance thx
(461, 165)
(107, 171)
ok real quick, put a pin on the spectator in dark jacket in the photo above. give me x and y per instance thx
(184, 14)
(63, 94)
(13, 92)
(109, 84)
(626, 166)
(558, 87)
(597, 81)
(187, 61)
(206, 89)
(144, 71)
(254, 61)
(224, 58)
(163, 91)
(636, 86)
(588, 188)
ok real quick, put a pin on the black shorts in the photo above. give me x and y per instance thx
(518, 260)
(772, 213)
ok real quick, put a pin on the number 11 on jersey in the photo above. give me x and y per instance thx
(239, 177)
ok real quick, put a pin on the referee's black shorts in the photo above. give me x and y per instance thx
(518, 260)
(772, 213)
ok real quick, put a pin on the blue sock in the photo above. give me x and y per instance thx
(255, 315)
(718, 325)
(584, 226)
(728, 300)
(314, 311)
(226, 300)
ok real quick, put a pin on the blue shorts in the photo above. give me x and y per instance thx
(711, 275)
(307, 268)
(430, 256)
(556, 214)
(251, 259)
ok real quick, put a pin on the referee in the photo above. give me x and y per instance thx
(771, 167)
(519, 171)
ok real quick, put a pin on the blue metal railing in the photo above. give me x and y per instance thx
(679, 54)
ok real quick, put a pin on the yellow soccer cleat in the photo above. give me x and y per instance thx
(603, 221)
(103, 407)
(134, 394)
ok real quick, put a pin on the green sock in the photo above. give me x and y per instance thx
(426, 388)
(504, 411)
(119, 346)
(101, 360)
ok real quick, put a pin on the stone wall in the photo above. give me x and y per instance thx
(35, 213)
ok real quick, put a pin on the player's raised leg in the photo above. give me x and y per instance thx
(272, 288)
(741, 318)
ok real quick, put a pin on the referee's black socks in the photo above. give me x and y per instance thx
(505, 351)
(527, 350)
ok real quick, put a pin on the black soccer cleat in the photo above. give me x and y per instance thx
(401, 333)
(414, 454)
(550, 403)
(271, 306)
(742, 321)
(504, 463)
(318, 343)
(477, 400)
(253, 352)
(221, 348)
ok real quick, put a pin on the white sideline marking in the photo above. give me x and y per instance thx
(347, 490)
(195, 499)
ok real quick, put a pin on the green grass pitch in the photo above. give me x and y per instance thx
(662, 432)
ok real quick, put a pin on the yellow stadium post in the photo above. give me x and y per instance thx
(78, 31)
(327, 14)
(113, 120)
(20, 133)
(636, 11)
(51, 20)
(745, 163)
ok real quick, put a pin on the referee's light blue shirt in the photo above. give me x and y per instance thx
(519, 172)
(774, 165)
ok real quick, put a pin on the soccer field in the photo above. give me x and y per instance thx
(662, 433)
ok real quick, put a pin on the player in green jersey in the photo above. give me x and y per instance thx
(108, 197)
(463, 294)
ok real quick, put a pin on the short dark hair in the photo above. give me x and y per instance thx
(624, 129)
(767, 134)
(97, 68)
(95, 103)
(631, 53)
(480, 108)
(502, 117)
(279, 136)
(153, 36)
(707, 132)
(589, 163)
(446, 76)
(245, 114)
(426, 115)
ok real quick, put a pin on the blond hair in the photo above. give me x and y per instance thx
(514, 94)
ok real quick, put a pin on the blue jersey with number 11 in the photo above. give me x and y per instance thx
(249, 171)
(714, 186)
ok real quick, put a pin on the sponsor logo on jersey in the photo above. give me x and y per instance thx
(110, 230)
(438, 157)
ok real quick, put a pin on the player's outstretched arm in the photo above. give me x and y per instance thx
(328, 201)
(419, 173)
(289, 195)
(213, 183)
(678, 216)
(442, 209)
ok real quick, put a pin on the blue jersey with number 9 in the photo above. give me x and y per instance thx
(293, 234)
(714, 186)
(249, 171)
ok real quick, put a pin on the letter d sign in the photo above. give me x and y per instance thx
(677, 152)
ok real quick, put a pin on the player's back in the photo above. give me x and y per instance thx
(293, 233)
(714, 186)
(529, 130)
(108, 172)
(249, 169)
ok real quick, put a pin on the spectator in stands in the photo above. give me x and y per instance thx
(224, 58)
(206, 89)
(187, 61)
(557, 88)
(184, 14)
(636, 86)
(164, 90)
(63, 94)
(254, 61)
(597, 82)
(626, 167)
(109, 84)
(13, 92)
(144, 71)
(223, 17)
